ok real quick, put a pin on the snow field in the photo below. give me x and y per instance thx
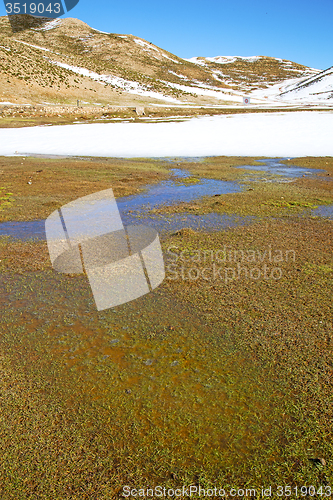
(301, 133)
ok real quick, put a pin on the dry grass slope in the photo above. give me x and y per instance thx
(30, 71)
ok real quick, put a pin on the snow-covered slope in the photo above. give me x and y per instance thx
(317, 88)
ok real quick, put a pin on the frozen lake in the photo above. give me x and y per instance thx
(297, 133)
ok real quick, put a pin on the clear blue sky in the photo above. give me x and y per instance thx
(301, 31)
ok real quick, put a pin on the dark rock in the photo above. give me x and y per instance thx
(318, 461)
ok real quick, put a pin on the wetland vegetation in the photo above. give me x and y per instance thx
(222, 376)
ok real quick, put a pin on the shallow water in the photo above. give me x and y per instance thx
(323, 211)
(24, 230)
(274, 167)
(174, 191)
(162, 223)
(133, 209)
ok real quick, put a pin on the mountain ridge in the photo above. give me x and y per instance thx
(66, 60)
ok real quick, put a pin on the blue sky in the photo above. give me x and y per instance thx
(300, 31)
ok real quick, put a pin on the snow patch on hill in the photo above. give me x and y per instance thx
(222, 59)
(316, 88)
(148, 47)
(207, 90)
(49, 26)
(145, 44)
(34, 46)
(179, 76)
(103, 32)
(116, 81)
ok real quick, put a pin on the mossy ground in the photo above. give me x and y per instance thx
(217, 382)
(58, 181)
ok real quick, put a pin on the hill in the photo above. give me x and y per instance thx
(65, 60)
(250, 73)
